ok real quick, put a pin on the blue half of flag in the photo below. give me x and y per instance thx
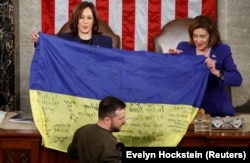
(71, 68)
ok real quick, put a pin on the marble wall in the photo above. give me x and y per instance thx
(234, 23)
(7, 56)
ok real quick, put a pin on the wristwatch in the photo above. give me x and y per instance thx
(221, 77)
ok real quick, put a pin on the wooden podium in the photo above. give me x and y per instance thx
(21, 143)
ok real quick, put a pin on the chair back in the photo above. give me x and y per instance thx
(171, 34)
(103, 28)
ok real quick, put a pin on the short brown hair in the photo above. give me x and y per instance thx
(109, 105)
(206, 22)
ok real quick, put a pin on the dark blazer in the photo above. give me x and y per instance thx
(216, 100)
(97, 39)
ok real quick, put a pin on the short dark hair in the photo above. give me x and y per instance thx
(109, 105)
(206, 22)
(77, 13)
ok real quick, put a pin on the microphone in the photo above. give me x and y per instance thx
(119, 147)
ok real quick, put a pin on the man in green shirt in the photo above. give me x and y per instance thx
(95, 143)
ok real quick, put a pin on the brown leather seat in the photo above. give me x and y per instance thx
(103, 28)
(171, 34)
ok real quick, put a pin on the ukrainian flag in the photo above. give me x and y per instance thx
(68, 79)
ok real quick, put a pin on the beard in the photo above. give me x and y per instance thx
(114, 128)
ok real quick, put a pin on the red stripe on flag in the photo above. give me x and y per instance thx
(48, 16)
(154, 20)
(209, 7)
(181, 8)
(102, 8)
(72, 5)
(128, 24)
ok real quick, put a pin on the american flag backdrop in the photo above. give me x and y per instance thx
(135, 21)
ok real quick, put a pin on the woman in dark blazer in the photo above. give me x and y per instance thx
(83, 27)
(205, 41)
